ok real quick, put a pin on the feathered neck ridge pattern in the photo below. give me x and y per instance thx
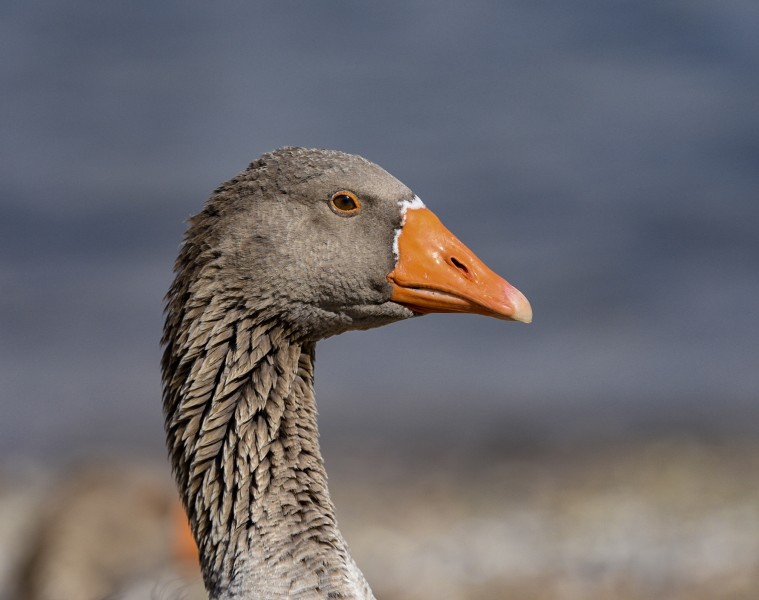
(242, 433)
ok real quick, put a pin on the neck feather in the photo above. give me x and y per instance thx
(242, 434)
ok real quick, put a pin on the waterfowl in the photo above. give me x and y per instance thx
(302, 245)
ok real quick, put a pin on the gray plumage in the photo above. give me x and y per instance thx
(266, 270)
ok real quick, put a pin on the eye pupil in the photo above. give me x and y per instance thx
(345, 203)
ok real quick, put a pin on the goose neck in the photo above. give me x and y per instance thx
(244, 441)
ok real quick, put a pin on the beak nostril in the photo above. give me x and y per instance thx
(459, 265)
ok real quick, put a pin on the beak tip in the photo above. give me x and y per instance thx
(526, 319)
(522, 309)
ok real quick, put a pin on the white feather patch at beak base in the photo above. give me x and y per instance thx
(413, 204)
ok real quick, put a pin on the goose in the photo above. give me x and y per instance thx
(302, 245)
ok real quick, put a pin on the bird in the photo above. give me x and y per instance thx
(302, 245)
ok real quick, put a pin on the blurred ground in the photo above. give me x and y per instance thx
(669, 519)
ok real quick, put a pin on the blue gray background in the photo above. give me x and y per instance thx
(602, 155)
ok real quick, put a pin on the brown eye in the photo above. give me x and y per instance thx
(344, 203)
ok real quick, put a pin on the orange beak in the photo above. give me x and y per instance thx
(435, 272)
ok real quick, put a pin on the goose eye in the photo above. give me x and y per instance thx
(344, 203)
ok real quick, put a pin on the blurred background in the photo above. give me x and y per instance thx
(602, 155)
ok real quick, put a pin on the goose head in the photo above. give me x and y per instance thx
(302, 245)
(326, 242)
